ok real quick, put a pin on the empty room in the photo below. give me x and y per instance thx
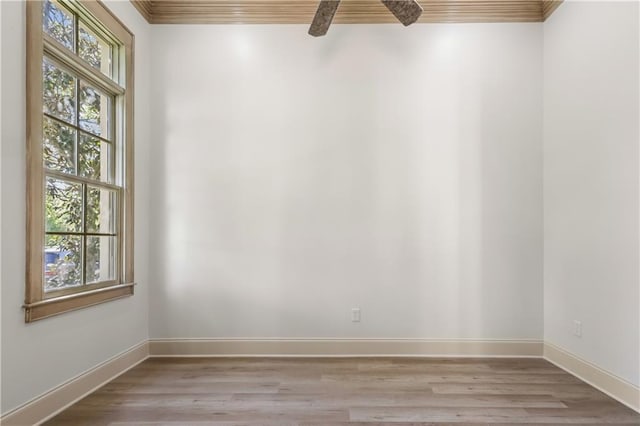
(319, 212)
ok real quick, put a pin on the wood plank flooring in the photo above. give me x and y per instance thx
(341, 391)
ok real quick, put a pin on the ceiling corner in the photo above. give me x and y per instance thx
(548, 7)
(145, 8)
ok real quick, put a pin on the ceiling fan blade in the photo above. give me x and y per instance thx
(407, 11)
(324, 16)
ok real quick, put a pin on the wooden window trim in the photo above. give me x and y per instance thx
(36, 305)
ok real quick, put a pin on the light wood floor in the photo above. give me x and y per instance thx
(285, 391)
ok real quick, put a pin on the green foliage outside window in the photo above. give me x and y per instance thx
(77, 142)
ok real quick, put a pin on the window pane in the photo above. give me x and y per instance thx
(101, 259)
(58, 92)
(94, 158)
(58, 146)
(94, 49)
(58, 22)
(101, 208)
(63, 262)
(95, 110)
(63, 206)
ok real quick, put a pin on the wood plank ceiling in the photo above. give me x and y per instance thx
(350, 11)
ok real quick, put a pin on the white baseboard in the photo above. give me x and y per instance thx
(345, 347)
(612, 385)
(57, 399)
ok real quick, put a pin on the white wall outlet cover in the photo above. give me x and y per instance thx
(355, 315)
(577, 328)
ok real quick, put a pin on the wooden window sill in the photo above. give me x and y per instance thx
(58, 305)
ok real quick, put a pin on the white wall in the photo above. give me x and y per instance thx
(44, 354)
(591, 189)
(393, 169)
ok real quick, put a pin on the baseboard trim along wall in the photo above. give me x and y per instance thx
(57, 399)
(614, 386)
(345, 347)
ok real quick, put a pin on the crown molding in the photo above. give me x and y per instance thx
(350, 12)
(145, 8)
(548, 7)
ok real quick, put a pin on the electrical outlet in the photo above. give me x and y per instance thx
(355, 315)
(577, 328)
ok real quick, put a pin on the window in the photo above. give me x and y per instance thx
(79, 157)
